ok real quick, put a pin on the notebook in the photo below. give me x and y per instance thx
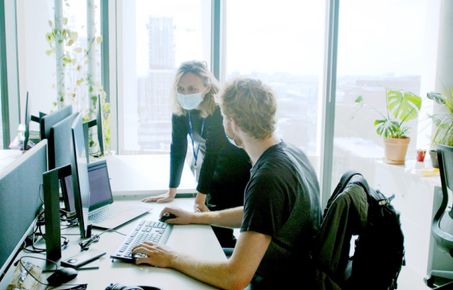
(103, 212)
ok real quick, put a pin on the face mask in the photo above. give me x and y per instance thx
(189, 102)
(233, 140)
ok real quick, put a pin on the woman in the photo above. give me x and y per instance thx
(222, 169)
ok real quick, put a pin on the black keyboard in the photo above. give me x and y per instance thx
(145, 231)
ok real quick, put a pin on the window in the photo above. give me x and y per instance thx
(37, 70)
(156, 36)
(38, 63)
(1, 118)
(283, 45)
(83, 18)
(380, 47)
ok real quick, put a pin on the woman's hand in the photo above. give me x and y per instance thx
(200, 203)
(166, 197)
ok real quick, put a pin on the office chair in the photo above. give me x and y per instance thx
(443, 239)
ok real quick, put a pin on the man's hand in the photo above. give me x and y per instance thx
(182, 217)
(154, 255)
(165, 197)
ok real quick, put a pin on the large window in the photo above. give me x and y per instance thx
(1, 119)
(156, 36)
(380, 47)
(36, 68)
(39, 60)
(281, 43)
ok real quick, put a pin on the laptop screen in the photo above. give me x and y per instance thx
(100, 190)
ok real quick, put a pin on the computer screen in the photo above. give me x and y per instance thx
(27, 123)
(20, 200)
(46, 122)
(60, 143)
(81, 186)
(100, 189)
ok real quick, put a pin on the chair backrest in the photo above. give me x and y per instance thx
(443, 238)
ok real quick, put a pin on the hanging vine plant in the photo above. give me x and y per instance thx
(75, 82)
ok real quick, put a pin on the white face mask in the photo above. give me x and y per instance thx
(191, 101)
(232, 138)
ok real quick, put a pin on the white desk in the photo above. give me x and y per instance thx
(195, 240)
(143, 175)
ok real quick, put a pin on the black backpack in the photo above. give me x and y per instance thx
(379, 248)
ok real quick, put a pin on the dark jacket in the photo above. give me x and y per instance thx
(225, 168)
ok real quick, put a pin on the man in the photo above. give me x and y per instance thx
(281, 213)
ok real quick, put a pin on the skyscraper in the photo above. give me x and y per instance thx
(153, 90)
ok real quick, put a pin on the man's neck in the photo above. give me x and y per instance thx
(256, 147)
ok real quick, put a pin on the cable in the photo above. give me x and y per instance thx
(79, 286)
(85, 245)
(29, 272)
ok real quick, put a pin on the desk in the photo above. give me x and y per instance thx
(144, 175)
(196, 240)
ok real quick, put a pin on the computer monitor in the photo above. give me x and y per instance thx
(98, 123)
(20, 200)
(27, 124)
(81, 186)
(60, 142)
(47, 121)
(51, 180)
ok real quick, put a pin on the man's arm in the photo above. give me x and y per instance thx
(235, 273)
(230, 218)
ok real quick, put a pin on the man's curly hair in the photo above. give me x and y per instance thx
(252, 105)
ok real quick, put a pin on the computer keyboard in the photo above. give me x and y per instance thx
(146, 230)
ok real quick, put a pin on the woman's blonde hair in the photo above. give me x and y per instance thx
(199, 69)
(252, 106)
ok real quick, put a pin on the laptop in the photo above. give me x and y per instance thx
(103, 212)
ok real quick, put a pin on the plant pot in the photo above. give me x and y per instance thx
(395, 150)
(433, 155)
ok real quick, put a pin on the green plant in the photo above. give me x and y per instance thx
(75, 81)
(401, 107)
(443, 121)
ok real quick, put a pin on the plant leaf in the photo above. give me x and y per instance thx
(436, 97)
(403, 106)
(358, 100)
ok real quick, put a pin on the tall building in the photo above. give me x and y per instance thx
(154, 109)
(161, 43)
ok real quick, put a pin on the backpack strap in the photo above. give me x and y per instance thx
(344, 181)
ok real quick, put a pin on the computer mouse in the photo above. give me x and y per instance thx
(61, 275)
(118, 286)
(167, 216)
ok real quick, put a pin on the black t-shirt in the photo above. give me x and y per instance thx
(282, 200)
(225, 169)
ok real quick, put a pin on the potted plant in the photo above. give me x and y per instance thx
(443, 123)
(401, 107)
